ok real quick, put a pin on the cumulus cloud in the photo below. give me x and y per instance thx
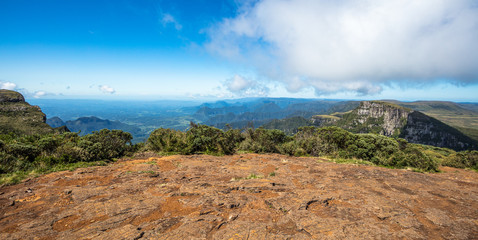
(106, 89)
(354, 45)
(242, 86)
(8, 85)
(39, 94)
(167, 19)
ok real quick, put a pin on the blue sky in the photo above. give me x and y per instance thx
(198, 49)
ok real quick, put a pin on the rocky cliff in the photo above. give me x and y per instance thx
(395, 121)
(19, 117)
(424, 129)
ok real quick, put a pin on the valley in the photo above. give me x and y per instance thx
(141, 118)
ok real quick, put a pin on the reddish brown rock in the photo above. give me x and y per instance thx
(246, 196)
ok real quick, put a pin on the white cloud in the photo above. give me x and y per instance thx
(238, 83)
(242, 86)
(106, 89)
(354, 45)
(39, 94)
(167, 19)
(8, 85)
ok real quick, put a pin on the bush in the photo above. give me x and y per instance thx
(312, 141)
(167, 140)
(25, 153)
(466, 159)
(263, 140)
(206, 139)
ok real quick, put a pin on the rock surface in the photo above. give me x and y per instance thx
(10, 96)
(392, 117)
(245, 196)
(17, 116)
(395, 121)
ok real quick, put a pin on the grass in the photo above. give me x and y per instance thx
(348, 161)
(254, 176)
(18, 176)
(251, 176)
(327, 117)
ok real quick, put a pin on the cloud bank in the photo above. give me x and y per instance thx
(353, 45)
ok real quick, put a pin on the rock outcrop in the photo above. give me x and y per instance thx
(386, 116)
(424, 129)
(395, 121)
(19, 117)
(10, 96)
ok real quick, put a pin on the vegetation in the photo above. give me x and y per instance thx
(29, 146)
(332, 142)
(22, 155)
(289, 126)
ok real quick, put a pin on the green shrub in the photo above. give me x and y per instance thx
(167, 140)
(263, 140)
(29, 152)
(466, 159)
(205, 139)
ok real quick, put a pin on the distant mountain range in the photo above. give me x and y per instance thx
(288, 114)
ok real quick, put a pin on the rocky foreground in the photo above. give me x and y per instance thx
(241, 197)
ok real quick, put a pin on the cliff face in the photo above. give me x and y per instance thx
(19, 117)
(388, 117)
(396, 121)
(424, 129)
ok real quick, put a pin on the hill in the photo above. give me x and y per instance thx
(86, 125)
(258, 112)
(462, 116)
(388, 119)
(245, 196)
(55, 122)
(19, 117)
(392, 120)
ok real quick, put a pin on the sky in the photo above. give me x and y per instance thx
(209, 49)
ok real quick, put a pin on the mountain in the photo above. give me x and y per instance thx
(55, 122)
(396, 121)
(87, 125)
(261, 111)
(289, 125)
(19, 117)
(387, 119)
(462, 116)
